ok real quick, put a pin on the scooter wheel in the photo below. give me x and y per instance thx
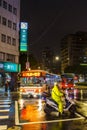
(72, 109)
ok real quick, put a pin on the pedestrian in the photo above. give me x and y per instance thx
(6, 86)
(12, 84)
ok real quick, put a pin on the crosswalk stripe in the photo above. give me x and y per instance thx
(4, 117)
(1, 100)
(3, 127)
(6, 110)
(5, 102)
(4, 106)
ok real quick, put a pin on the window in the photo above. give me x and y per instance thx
(14, 11)
(8, 39)
(9, 23)
(5, 4)
(10, 8)
(14, 26)
(0, 2)
(3, 38)
(0, 19)
(14, 41)
(4, 20)
(2, 56)
(10, 57)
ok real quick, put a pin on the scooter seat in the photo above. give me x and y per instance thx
(52, 100)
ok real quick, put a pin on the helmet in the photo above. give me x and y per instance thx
(55, 84)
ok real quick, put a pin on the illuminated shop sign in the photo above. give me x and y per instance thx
(1, 66)
(27, 74)
(10, 67)
(23, 36)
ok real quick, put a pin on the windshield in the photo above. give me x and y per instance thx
(31, 81)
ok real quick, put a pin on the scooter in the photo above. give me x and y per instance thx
(51, 107)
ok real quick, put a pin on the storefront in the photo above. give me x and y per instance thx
(8, 71)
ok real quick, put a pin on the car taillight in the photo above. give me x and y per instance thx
(66, 85)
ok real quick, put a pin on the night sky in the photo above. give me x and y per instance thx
(50, 20)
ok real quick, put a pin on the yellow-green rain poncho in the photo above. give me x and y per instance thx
(56, 96)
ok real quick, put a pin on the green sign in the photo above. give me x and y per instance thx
(10, 67)
(23, 36)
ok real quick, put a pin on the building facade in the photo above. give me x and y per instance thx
(9, 30)
(73, 50)
(9, 39)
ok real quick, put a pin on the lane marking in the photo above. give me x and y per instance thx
(16, 113)
(5, 103)
(4, 117)
(3, 127)
(4, 106)
(39, 122)
(7, 100)
(6, 110)
(51, 121)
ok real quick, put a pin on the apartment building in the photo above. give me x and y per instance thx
(73, 49)
(9, 35)
(9, 30)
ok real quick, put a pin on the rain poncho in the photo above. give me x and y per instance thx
(56, 96)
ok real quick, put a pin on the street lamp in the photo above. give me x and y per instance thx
(56, 58)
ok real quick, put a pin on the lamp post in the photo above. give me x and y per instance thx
(56, 64)
(56, 58)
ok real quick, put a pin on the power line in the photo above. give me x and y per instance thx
(58, 16)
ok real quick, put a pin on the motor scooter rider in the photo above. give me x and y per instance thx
(57, 95)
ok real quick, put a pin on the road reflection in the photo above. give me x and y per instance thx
(35, 127)
(44, 126)
(31, 113)
(78, 94)
(31, 110)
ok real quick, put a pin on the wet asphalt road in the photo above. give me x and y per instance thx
(65, 123)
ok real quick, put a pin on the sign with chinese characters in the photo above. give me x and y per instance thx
(30, 74)
(10, 67)
(1, 66)
(23, 36)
